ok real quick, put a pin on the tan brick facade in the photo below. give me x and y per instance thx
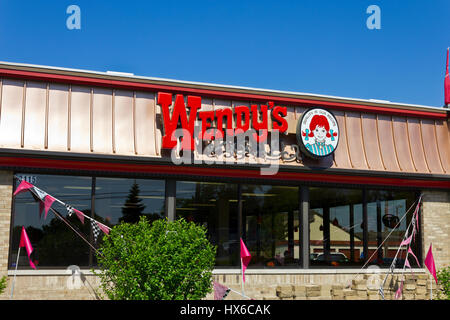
(6, 180)
(328, 286)
(54, 287)
(436, 225)
(312, 285)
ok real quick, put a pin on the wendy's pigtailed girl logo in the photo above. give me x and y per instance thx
(317, 133)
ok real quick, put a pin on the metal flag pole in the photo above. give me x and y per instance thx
(15, 271)
(240, 294)
(431, 287)
(242, 277)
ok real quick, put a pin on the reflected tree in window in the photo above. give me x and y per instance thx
(133, 207)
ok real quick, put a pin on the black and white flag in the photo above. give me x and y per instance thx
(95, 230)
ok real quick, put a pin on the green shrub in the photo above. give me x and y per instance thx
(162, 260)
(443, 276)
(3, 284)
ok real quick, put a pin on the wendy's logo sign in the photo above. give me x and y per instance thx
(240, 134)
(216, 124)
(317, 133)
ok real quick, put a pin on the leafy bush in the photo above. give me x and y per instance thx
(162, 260)
(2, 284)
(443, 276)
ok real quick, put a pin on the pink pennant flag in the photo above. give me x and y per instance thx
(79, 214)
(102, 227)
(23, 186)
(410, 251)
(398, 293)
(48, 203)
(429, 262)
(41, 208)
(406, 241)
(220, 291)
(416, 218)
(407, 263)
(25, 242)
(245, 258)
(41, 194)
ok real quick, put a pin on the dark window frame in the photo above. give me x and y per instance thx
(170, 204)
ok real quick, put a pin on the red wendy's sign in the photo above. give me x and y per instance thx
(246, 118)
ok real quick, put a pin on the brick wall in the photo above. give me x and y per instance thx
(6, 179)
(54, 287)
(436, 226)
(345, 286)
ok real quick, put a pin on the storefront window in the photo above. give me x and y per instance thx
(270, 219)
(337, 228)
(335, 219)
(385, 209)
(118, 200)
(125, 200)
(53, 242)
(214, 206)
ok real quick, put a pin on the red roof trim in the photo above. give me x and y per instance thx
(173, 170)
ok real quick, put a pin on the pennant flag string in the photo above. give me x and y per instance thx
(48, 200)
(95, 230)
(406, 241)
(387, 237)
(412, 253)
(57, 214)
(23, 186)
(46, 203)
(399, 292)
(221, 292)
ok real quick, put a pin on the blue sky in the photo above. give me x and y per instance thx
(321, 47)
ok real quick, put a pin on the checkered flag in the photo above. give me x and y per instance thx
(69, 210)
(95, 230)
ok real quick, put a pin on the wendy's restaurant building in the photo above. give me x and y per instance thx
(322, 189)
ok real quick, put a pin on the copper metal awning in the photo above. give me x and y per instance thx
(105, 119)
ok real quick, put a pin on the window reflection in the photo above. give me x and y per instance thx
(213, 205)
(120, 200)
(125, 200)
(270, 220)
(271, 224)
(335, 219)
(385, 209)
(53, 242)
(336, 226)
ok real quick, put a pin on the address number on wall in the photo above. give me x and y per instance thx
(27, 178)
